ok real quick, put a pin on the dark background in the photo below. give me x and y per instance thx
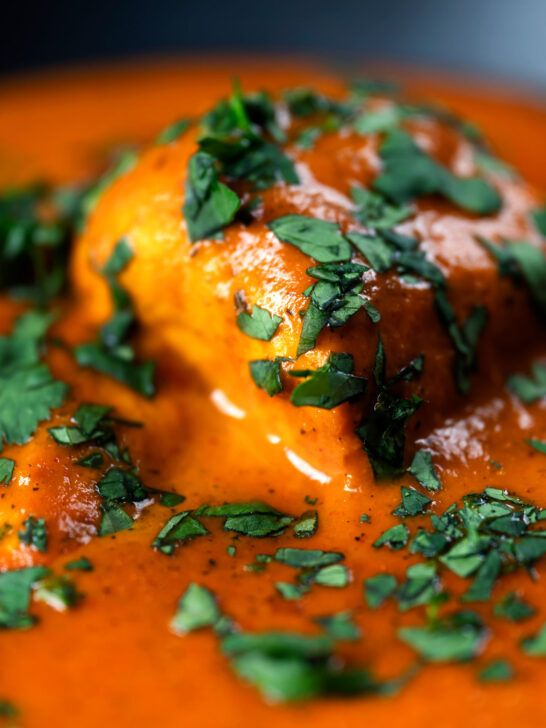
(500, 38)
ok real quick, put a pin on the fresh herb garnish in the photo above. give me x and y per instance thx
(266, 374)
(496, 671)
(383, 431)
(58, 592)
(113, 519)
(6, 470)
(307, 525)
(423, 470)
(413, 503)
(27, 389)
(260, 324)
(409, 173)
(15, 590)
(395, 537)
(329, 385)
(172, 132)
(458, 637)
(378, 588)
(34, 533)
(513, 608)
(529, 389)
(319, 239)
(253, 519)
(196, 609)
(535, 646)
(179, 528)
(112, 353)
(81, 564)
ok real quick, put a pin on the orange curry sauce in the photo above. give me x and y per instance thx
(211, 435)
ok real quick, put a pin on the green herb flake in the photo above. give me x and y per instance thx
(196, 609)
(6, 471)
(335, 575)
(529, 389)
(513, 608)
(260, 324)
(290, 591)
(330, 385)
(231, 550)
(409, 173)
(209, 205)
(378, 589)
(413, 503)
(180, 527)
(535, 646)
(423, 470)
(340, 626)
(266, 374)
(307, 525)
(173, 131)
(395, 538)
(319, 239)
(306, 558)
(539, 445)
(34, 533)
(457, 638)
(15, 590)
(81, 564)
(94, 460)
(114, 519)
(58, 592)
(496, 671)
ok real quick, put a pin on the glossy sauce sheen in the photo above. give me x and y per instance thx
(211, 435)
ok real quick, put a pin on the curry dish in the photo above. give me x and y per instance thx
(272, 401)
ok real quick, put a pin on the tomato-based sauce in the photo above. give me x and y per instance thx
(210, 434)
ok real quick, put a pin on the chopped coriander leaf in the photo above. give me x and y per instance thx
(7, 709)
(306, 558)
(209, 205)
(119, 259)
(330, 385)
(413, 503)
(319, 239)
(379, 120)
(139, 377)
(465, 338)
(121, 486)
(428, 543)
(170, 500)
(260, 324)
(58, 592)
(535, 646)
(114, 519)
(335, 575)
(34, 533)
(377, 252)
(250, 519)
(290, 591)
(173, 131)
(364, 518)
(378, 588)
(529, 389)
(513, 608)
(423, 470)
(266, 374)
(93, 460)
(333, 300)
(539, 218)
(307, 525)
(6, 470)
(395, 538)
(456, 638)
(258, 525)
(231, 550)
(27, 389)
(180, 527)
(15, 589)
(196, 609)
(420, 587)
(383, 431)
(409, 173)
(310, 501)
(81, 564)
(375, 211)
(496, 671)
(484, 581)
(89, 417)
(65, 435)
(539, 445)
(340, 626)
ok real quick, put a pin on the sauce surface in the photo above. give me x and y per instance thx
(211, 436)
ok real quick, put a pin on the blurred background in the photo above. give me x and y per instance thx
(498, 38)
